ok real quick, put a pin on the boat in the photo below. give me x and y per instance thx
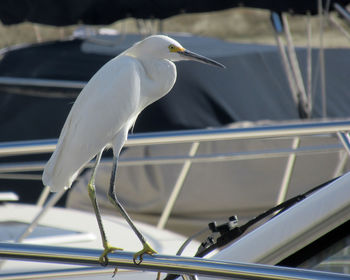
(307, 231)
(271, 145)
(65, 237)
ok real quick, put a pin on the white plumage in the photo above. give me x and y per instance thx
(107, 107)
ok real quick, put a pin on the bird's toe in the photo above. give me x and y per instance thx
(147, 249)
(103, 259)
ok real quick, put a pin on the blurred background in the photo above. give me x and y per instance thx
(248, 25)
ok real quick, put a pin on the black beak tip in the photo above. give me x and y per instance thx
(200, 58)
(222, 66)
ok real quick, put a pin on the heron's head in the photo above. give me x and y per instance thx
(161, 46)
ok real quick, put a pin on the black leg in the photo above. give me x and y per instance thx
(114, 200)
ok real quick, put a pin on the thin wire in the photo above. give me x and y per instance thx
(188, 240)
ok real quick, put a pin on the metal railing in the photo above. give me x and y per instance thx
(13, 81)
(158, 263)
(198, 135)
(336, 128)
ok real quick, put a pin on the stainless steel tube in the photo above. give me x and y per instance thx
(265, 131)
(163, 263)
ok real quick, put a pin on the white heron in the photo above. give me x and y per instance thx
(105, 111)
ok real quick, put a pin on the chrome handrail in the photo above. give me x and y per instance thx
(16, 81)
(17, 148)
(6, 168)
(185, 136)
(160, 263)
(259, 131)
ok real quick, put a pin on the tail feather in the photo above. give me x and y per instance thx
(56, 176)
(66, 162)
(65, 165)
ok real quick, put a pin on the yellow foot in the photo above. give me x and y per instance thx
(108, 249)
(147, 249)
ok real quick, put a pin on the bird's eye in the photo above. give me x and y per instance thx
(172, 48)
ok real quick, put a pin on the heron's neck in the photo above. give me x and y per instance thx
(161, 76)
